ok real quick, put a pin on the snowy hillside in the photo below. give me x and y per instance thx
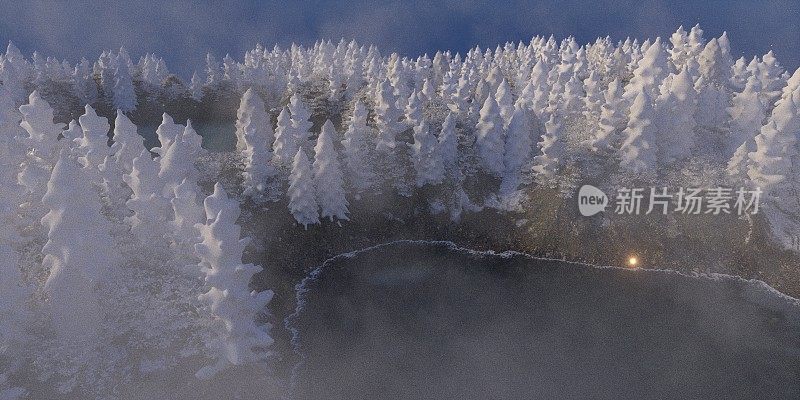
(122, 243)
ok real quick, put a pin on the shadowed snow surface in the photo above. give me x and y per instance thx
(417, 320)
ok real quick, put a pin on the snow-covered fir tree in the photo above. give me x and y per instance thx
(505, 101)
(128, 143)
(519, 143)
(447, 145)
(166, 133)
(196, 85)
(611, 122)
(84, 84)
(747, 113)
(187, 213)
(328, 177)
(42, 141)
(386, 117)
(776, 148)
(254, 139)
(76, 263)
(93, 146)
(490, 141)
(124, 94)
(428, 164)
(150, 208)
(413, 112)
(356, 148)
(286, 142)
(178, 162)
(675, 110)
(238, 339)
(302, 194)
(301, 120)
(650, 71)
(553, 150)
(639, 151)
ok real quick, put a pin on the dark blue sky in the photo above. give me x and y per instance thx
(182, 32)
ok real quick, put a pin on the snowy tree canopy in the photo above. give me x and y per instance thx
(158, 277)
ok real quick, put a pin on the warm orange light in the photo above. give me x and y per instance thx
(633, 262)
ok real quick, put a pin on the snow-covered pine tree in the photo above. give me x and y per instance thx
(428, 165)
(104, 68)
(128, 143)
(448, 146)
(166, 133)
(178, 162)
(791, 84)
(238, 339)
(213, 71)
(13, 73)
(639, 152)
(42, 143)
(650, 71)
(386, 117)
(771, 75)
(712, 103)
(84, 85)
(187, 213)
(739, 75)
(713, 98)
(255, 136)
(328, 178)
(428, 92)
(286, 144)
(150, 208)
(78, 263)
(776, 148)
(505, 102)
(413, 110)
(302, 195)
(93, 146)
(357, 150)
(72, 135)
(679, 52)
(713, 63)
(747, 114)
(490, 141)
(301, 120)
(738, 165)
(517, 147)
(675, 110)
(553, 150)
(196, 86)
(572, 103)
(593, 101)
(540, 89)
(124, 94)
(250, 105)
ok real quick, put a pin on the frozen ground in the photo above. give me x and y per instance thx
(432, 321)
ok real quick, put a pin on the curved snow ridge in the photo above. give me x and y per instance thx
(756, 291)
